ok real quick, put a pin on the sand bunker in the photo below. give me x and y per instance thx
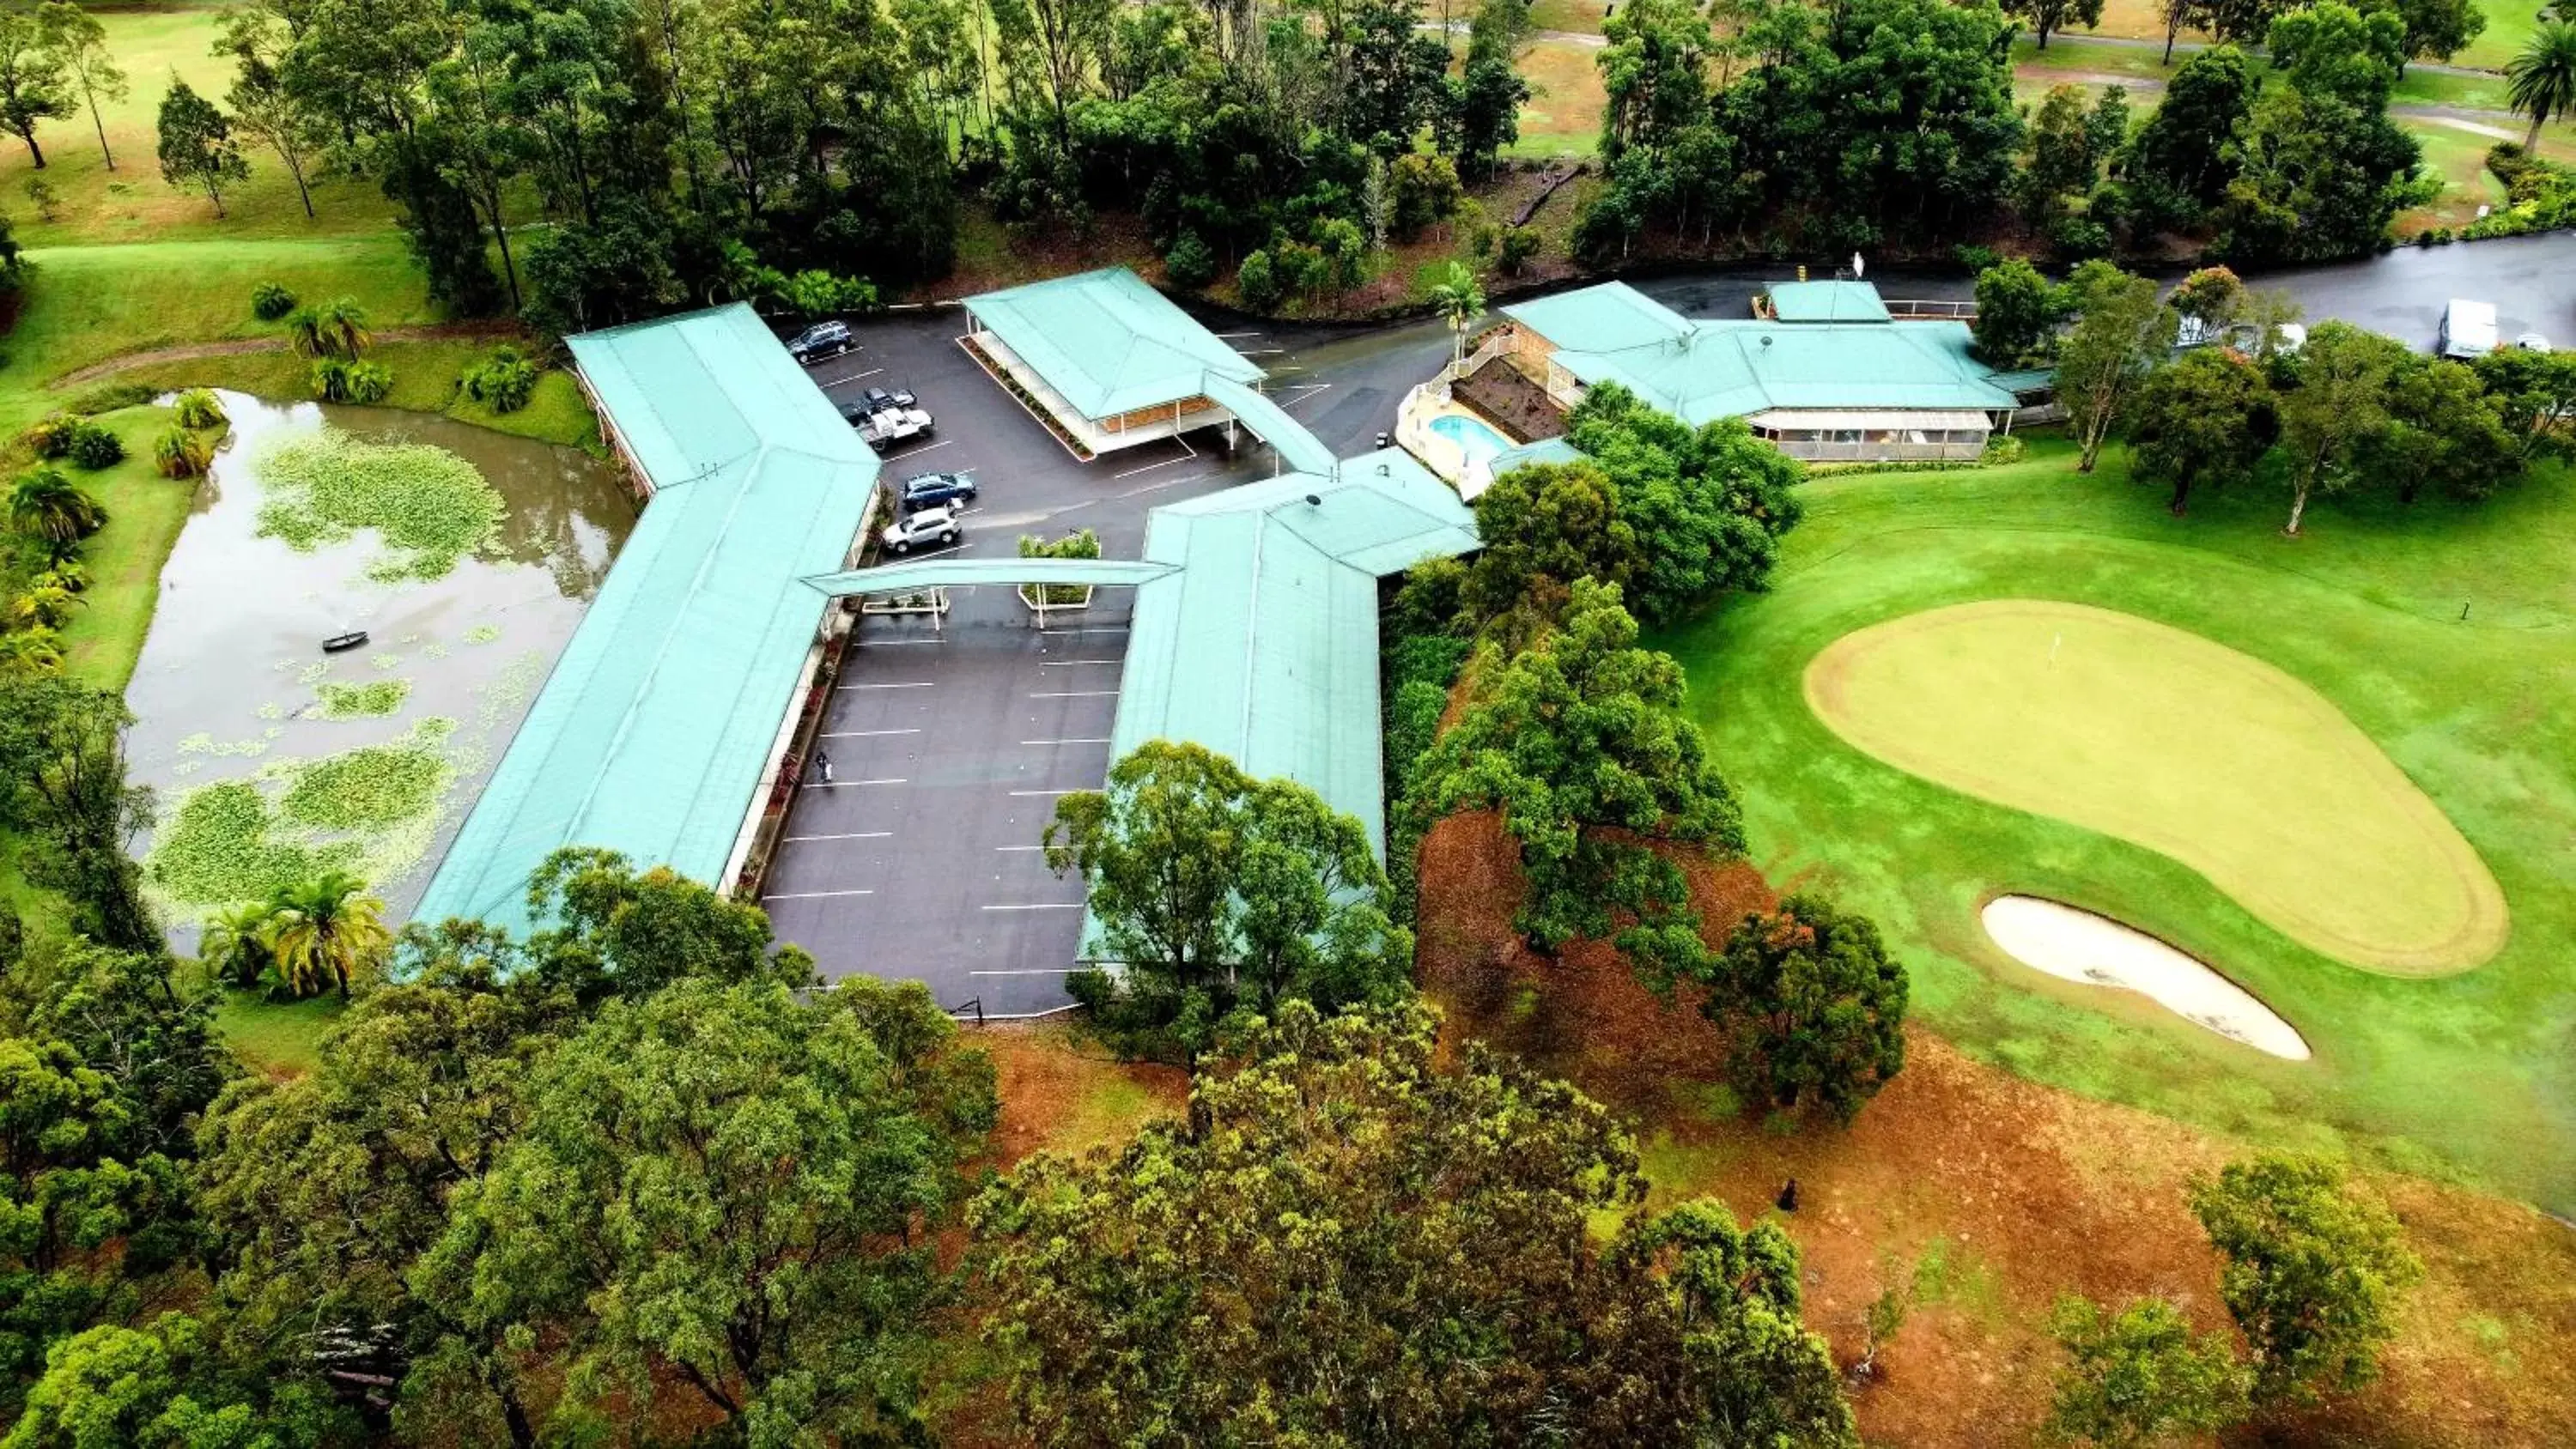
(2081, 946)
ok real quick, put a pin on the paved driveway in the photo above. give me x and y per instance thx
(950, 745)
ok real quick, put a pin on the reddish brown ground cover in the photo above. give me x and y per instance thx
(1980, 1197)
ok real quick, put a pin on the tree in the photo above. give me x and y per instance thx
(2120, 331)
(2206, 418)
(197, 145)
(2212, 296)
(2180, 15)
(607, 930)
(2322, 178)
(1576, 742)
(327, 932)
(49, 507)
(2047, 15)
(2139, 1377)
(62, 758)
(1707, 506)
(2069, 144)
(32, 84)
(2442, 427)
(2017, 313)
(2313, 1272)
(1348, 1242)
(2535, 393)
(2440, 29)
(2180, 162)
(1482, 113)
(728, 1192)
(1816, 1008)
(265, 108)
(1213, 888)
(127, 1016)
(2540, 82)
(2339, 401)
(154, 1388)
(1543, 526)
(1458, 301)
(78, 43)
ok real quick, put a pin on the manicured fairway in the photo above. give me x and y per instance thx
(2160, 737)
(2469, 1071)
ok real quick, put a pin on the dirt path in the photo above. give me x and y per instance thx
(2186, 47)
(149, 357)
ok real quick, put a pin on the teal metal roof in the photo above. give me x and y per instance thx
(1297, 448)
(1545, 450)
(958, 573)
(1827, 302)
(1108, 342)
(1702, 371)
(1263, 645)
(651, 733)
(2028, 379)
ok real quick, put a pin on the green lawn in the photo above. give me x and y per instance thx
(279, 1038)
(2165, 740)
(2469, 1071)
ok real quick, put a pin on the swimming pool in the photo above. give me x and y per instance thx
(1473, 438)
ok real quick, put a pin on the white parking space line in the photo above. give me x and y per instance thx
(1076, 694)
(1090, 629)
(853, 835)
(1039, 906)
(1150, 467)
(883, 643)
(1234, 334)
(1083, 740)
(1071, 663)
(853, 377)
(1166, 483)
(1068, 790)
(908, 454)
(1019, 847)
(850, 784)
(814, 895)
(861, 734)
(1260, 351)
(910, 684)
(1311, 388)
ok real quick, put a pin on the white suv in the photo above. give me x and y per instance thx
(931, 526)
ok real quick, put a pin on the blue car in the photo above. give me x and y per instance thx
(937, 490)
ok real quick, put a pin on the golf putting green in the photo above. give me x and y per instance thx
(2169, 741)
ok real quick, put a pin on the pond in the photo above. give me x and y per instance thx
(271, 759)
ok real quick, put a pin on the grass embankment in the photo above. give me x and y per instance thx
(1977, 1197)
(2509, 27)
(2469, 1071)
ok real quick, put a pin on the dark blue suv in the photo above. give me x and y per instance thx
(937, 490)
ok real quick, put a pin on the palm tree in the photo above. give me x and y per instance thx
(327, 930)
(2541, 82)
(235, 943)
(344, 327)
(43, 504)
(1459, 302)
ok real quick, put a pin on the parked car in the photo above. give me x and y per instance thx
(895, 425)
(2532, 342)
(931, 527)
(880, 398)
(823, 339)
(2468, 329)
(937, 490)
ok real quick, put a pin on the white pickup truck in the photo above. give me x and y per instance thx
(2468, 329)
(884, 428)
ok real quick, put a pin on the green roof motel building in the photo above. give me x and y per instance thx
(1825, 371)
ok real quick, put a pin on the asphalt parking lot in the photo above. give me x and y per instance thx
(950, 744)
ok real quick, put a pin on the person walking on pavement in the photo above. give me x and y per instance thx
(823, 766)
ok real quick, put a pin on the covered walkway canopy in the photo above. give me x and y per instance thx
(651, 735)
(1297, 448)
(959, 573)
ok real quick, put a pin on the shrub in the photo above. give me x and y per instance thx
(1520, 244)
(200, 408)
(51, 435)
(817, 293)
(179, 453)
(331, 380)
(269, 301)
(503, 381)
(1189, 265)
(1257, 283)
(94, 447)
(1975, 258)
(370, 382)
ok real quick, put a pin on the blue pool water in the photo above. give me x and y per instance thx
(1478, 441)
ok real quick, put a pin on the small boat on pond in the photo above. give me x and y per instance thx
(342, 643)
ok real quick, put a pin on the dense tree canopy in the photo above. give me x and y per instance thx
(1349, 1243)
(2140, 1376)
(2313, 1272)
(1576, 742)
(1816, 1008)
(1215, 889)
